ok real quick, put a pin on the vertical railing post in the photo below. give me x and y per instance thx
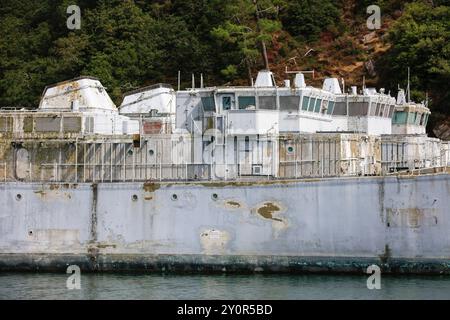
(76, 160)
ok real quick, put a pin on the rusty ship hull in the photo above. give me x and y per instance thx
(400, 223)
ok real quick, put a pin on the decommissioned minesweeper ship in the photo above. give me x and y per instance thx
(263, 178)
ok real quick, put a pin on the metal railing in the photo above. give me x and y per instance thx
(79, 173)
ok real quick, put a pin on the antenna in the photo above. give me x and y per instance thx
(364, 82)
(409, 88)
(179, 80)
(193, 81)
(201, 80)
(299, 71)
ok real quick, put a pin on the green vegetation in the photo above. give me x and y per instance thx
(307, 19)
(421, 40)
(249, 26)
(132, 43)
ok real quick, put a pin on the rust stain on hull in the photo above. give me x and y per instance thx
(151, 187)
(268, 210)
(234, 204)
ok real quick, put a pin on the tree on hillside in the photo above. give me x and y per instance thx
(249, 27)
(421, 40)
(306, 19)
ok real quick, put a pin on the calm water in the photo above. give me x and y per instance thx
(120, 286)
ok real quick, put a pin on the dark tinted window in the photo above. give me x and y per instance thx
(305, 103)
(330, 107)
(208, 104)
(244, 102)
(289, 102)
(358, 108)
(267, 103)
(226, 103)
(340, 109)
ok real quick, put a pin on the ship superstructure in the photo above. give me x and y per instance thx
(216, 133)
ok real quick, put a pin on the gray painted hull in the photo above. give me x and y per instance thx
(400, 223)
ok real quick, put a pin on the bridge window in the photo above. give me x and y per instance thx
(391, 111)
(318, 105)
(208, 104)
(373, 107)
(377, 112)
(411, 118)
(418, 118)
(312, 103)
(422, 119)
(305, 103)
(290, 103)
(226, 103)
(246, 101)
(358, 108)
(399, 117)
(382, 107)
(268, 103)
(340, 109)
(330, 107)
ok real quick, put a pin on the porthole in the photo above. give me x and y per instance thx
(151, 152)
(18, 197)
(290, 149)
(30, 233)
(174, 197)
(130, 152)
(215, 196)
(134, 197)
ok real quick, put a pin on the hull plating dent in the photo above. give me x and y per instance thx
(401, 224)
